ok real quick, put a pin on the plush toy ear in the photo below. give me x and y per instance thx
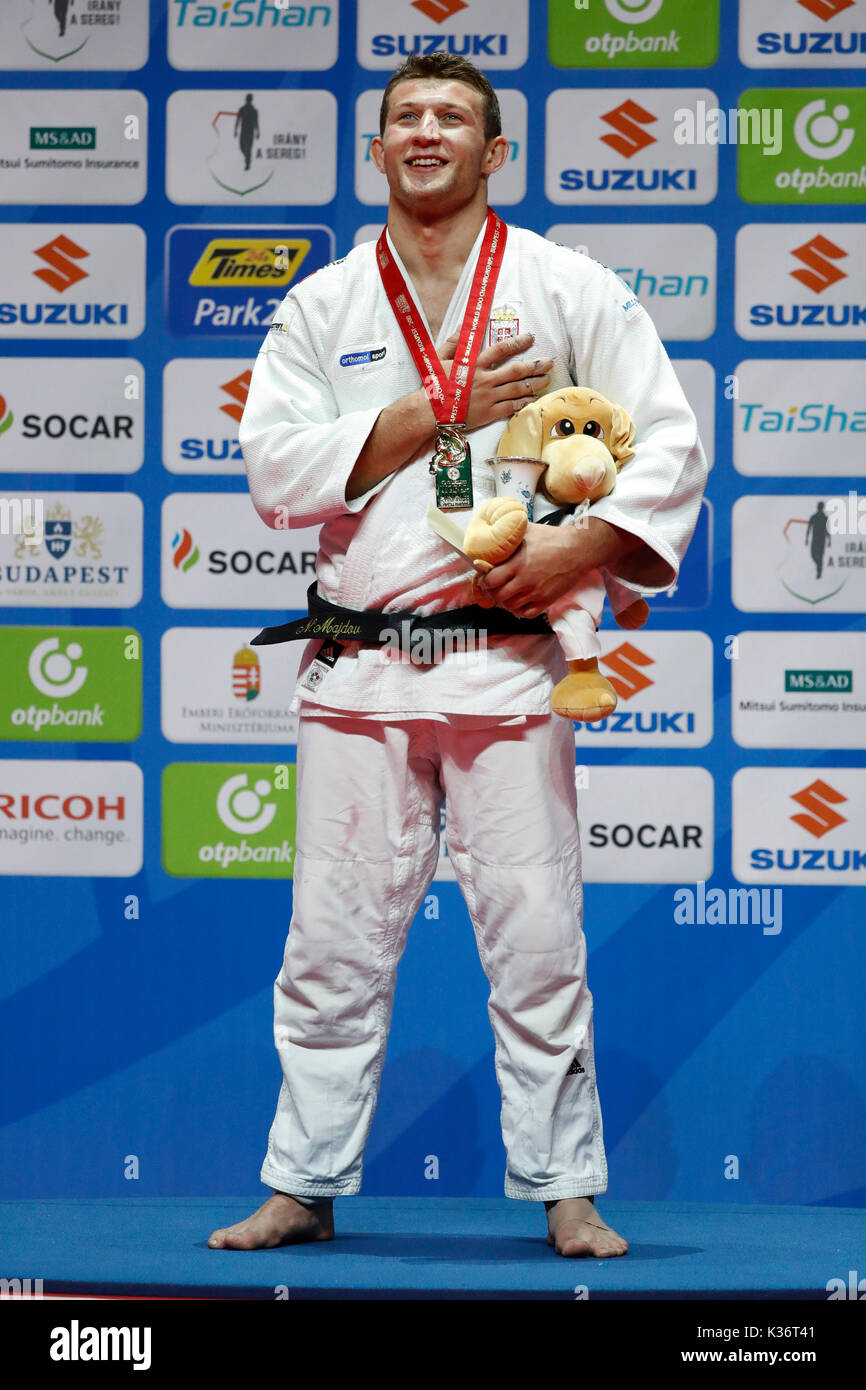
(621, 435)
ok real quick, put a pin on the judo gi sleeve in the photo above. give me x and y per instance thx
(658, 493)
(298, 448)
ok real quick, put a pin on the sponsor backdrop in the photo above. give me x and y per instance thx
(168, 170)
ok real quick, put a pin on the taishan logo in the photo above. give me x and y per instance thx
(61, 254)
(821, 273)
(622, 670)
(238, 389)
(245, 260)
(628, 119)
(825, 9)
(818, 799)
(439, 10)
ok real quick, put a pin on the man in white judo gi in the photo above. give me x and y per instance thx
(449, 318)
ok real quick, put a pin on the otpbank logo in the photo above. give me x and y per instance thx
(228, 820)
(803, 33)
(490, 34)
(259, 35)
(628, 152)
(801, 281)
(664, 683)
(823, 148)
(790, 825)
(230, 281)
(78, 683)
(633, 33)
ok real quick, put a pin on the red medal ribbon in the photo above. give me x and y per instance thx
(449, 396)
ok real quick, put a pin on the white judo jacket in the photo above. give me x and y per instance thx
(335, 357)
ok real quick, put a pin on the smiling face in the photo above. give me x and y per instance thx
(434, 152)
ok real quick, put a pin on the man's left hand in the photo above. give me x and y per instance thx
(549, 561)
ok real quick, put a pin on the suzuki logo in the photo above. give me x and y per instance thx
(439, 10)
(238, 389)
(631, 138)
(822, 273)
(826, 9)
(626, 680)
(64, 272)
(820, 818)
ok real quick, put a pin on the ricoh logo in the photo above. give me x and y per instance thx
(220, 450)
(833, 43)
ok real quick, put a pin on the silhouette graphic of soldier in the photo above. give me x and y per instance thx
(61, 9)
(247, 128)
(817, 528)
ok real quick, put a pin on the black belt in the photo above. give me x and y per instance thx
(377, 627)
(325, 619)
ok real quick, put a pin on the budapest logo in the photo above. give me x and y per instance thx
(61, 254)
(439, 10)
(825, 9)
(622, 670)
(59, 531)
(186, 552)
(628, 119)
(238, 388)
(821, 273)
(818, 799)
(246, 675)
(246, 260)
(6, 416)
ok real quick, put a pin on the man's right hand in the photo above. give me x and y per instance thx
(503, 383)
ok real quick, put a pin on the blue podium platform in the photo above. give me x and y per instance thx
(405, 1247)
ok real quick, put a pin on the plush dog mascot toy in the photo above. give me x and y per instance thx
(584, 440)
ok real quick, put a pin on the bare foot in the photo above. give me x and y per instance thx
(575, 1228)
(280, 1221)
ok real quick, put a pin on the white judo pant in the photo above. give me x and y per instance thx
(369, 795)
